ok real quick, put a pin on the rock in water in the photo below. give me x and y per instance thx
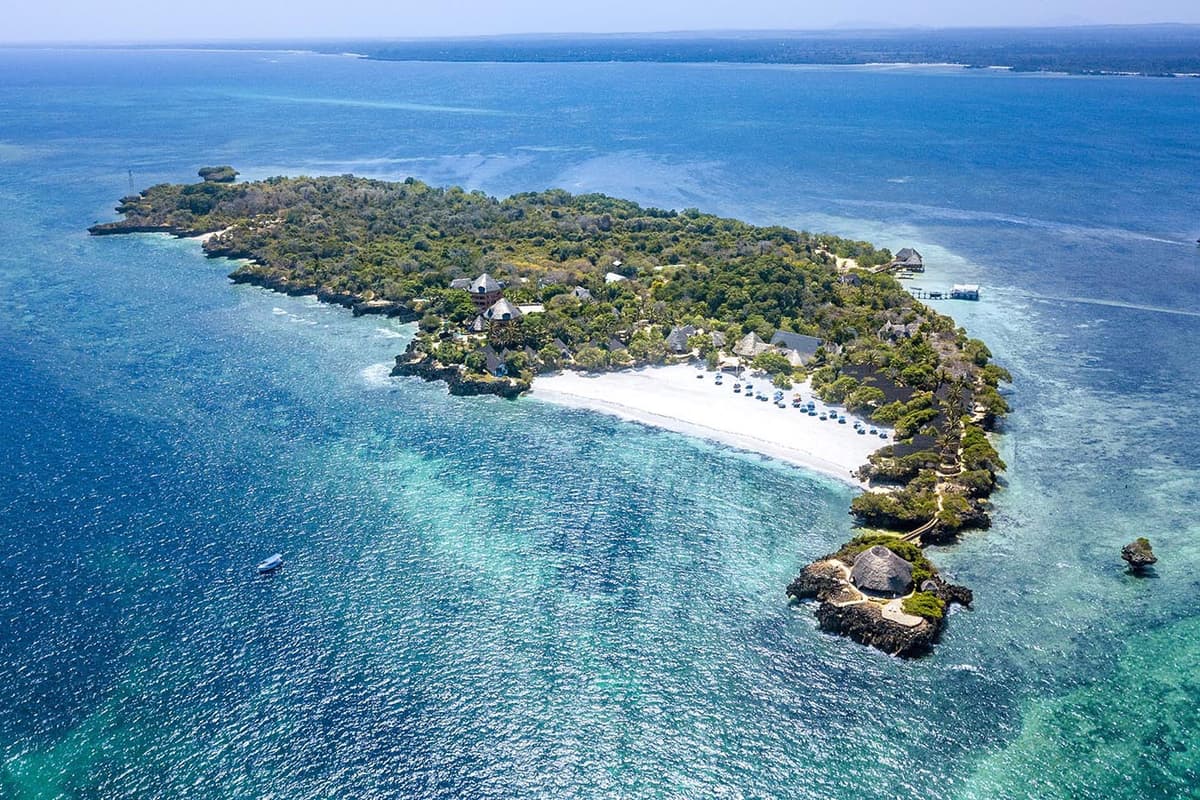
(1138, 554)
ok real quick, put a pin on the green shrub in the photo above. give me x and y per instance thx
(924, 604)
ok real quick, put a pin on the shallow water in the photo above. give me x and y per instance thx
(492, 599)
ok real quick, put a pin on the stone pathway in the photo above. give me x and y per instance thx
(894, 612)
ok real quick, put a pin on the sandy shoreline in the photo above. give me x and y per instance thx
(674, 399)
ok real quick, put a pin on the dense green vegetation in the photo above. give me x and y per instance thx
(924, 604)
(405, 242)
(906, 507)
(614, 279)
(224, 174)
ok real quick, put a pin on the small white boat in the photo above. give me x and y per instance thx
(271, 564)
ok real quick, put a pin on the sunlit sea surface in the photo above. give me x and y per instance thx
(491, 599)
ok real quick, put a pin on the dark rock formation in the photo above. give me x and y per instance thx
(425, 367)
(818, 578)
(864, 623)
(948, 592)
(279, 283)
(1138, 554)
(114, 228)
(825, 582)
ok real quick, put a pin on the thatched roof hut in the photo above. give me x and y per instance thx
(750, 345)
(880, 571)
(677, 339)
(484, 284)
(908, 258)
(502, 311)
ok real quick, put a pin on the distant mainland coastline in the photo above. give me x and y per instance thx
(1164, 50)
(548, 282)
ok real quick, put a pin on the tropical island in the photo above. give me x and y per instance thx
(503, 291)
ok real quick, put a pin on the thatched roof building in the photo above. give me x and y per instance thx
(485, 290)
(484, 284)
(677, 339)
(799, 348)
(750, 345)
(909, 259)
(880, 571)
(502, 311)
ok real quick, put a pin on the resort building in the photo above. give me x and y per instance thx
(583, 294)
(799, 348)
(909, 259)
(750, 346)
(614, 277)
(495, 363)
(478, 325)
(677, 339)
(897, 330)
(879, 571)
(502, 311)
(964, 291)
(562, 348)
(485, 291)
(796, 347)
(461, 283)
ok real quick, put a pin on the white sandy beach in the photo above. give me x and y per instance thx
(673, 398)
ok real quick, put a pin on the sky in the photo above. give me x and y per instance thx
(28, 21)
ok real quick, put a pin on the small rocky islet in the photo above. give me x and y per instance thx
(597, 283)
(1139, 555)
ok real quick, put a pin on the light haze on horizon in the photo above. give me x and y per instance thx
(135, 21)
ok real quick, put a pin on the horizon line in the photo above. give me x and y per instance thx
(687, 32)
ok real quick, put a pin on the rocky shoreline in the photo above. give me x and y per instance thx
(414, 364)
(357, 305)
(255, 274)
(844, 611)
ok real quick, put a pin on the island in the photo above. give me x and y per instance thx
(506, 290)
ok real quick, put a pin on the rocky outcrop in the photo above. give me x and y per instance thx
(425, 367)
(864, 623)
(948, 592)
(279, 283)
(114, 228)
(1138, 554)
(817, 579)
(842, 609)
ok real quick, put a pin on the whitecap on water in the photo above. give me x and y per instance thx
(279, 312)
(389, 333)
(377, 375)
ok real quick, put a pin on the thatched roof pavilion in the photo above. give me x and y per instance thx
(880, 571)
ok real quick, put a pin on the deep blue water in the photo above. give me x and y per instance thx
(493, 599)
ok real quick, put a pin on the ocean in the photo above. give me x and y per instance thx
(491, 599)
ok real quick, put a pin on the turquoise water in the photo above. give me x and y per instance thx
(493, 599)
